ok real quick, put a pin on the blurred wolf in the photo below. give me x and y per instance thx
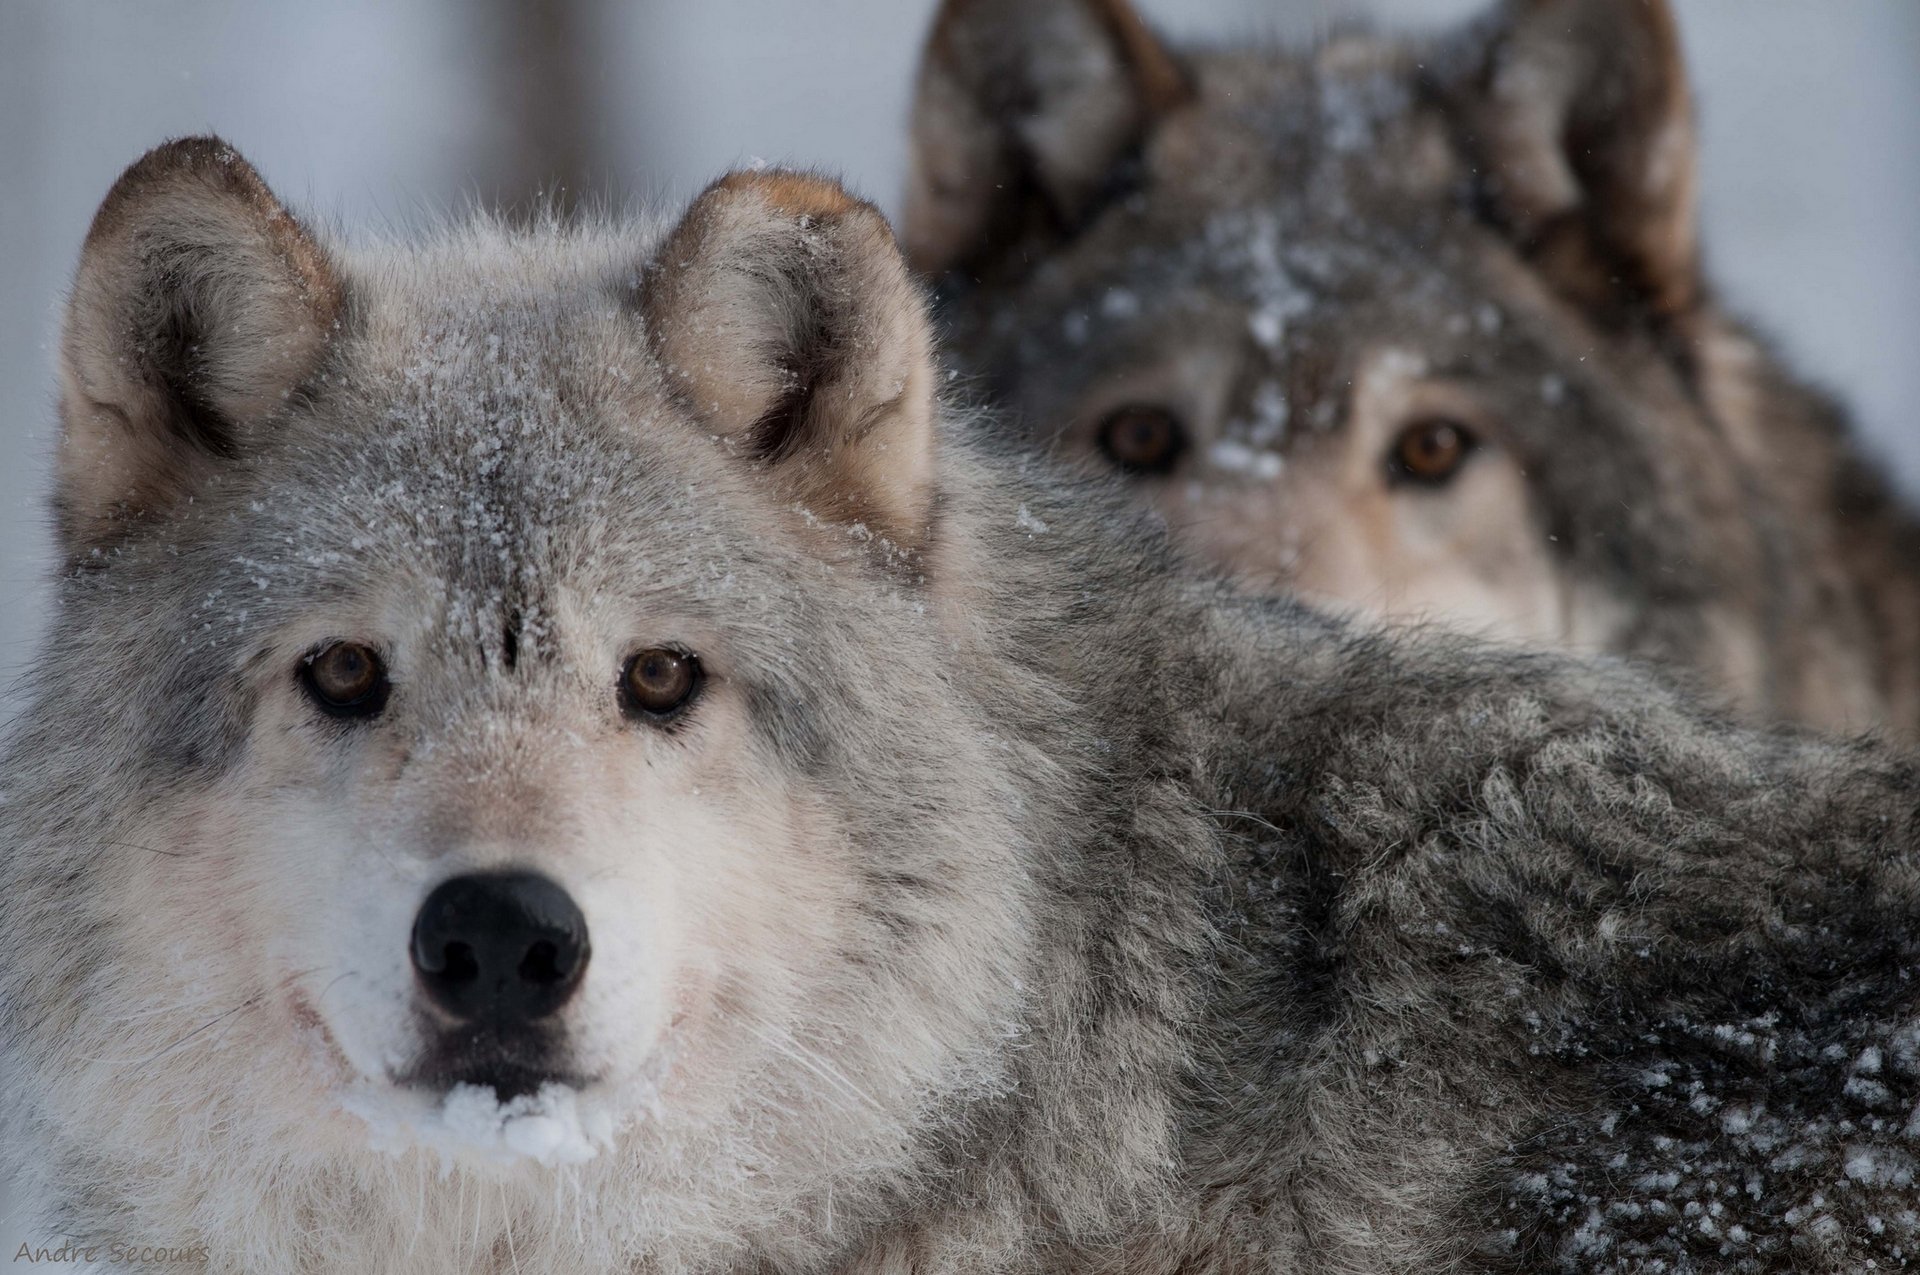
(557, 753)
(1417, 331)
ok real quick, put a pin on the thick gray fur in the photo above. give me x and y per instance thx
(1224, 937)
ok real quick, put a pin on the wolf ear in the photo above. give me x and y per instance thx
(198, 305)
(1023, 110)
(787, 321)
(1585, 124)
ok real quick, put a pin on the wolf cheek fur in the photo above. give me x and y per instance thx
(1315, 261)
(1006, 899)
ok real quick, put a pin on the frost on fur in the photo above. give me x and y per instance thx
(470, 1125)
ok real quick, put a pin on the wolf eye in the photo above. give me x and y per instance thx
(345, 679)
(1142, 438)
(1430, 451)
(658, 682)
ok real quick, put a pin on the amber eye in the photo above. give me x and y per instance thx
(1142, 438)
(657, 683)
(1430, 451)
(346, 679)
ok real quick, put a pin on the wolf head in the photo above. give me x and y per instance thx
(1416, 331)
(493, 700)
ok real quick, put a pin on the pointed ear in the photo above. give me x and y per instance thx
(198, 306)
(1585, 125)
(1024, 109)
(786, 320)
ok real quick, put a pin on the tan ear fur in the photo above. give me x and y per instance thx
(1585, 122)
(1023, 109)
(199, 303)
(787, 321)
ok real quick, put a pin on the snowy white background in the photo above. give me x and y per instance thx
(359, 110)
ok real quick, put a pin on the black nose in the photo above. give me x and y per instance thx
(502, 948)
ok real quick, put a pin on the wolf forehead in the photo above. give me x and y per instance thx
(487, 428)
(1353, 122)
(488, 357)
(475, 446)
(1305, 186)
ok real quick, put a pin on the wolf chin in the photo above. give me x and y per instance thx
(1416, 329)
(558, 752)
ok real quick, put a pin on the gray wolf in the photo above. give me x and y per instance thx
(558, 752)
(1416, 329)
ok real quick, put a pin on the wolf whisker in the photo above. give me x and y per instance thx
(134, 845)
(506, 1220)
(248, 1003)
(787, 1045)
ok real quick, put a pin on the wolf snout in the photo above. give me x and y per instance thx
(502, 948)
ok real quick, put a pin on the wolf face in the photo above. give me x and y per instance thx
(1418, 332)
(456, 723)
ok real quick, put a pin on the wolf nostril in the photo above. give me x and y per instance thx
(457, 964)
(542, 964)
(502, 948)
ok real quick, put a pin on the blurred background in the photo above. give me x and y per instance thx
(375, 111)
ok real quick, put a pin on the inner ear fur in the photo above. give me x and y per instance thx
(199, 304)
(787, 321)
(1022, 112)
(1584, 121)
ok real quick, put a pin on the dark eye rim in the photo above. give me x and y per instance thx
(1103, 437)
(1400, 473)
(630, 703)
(364, 706)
